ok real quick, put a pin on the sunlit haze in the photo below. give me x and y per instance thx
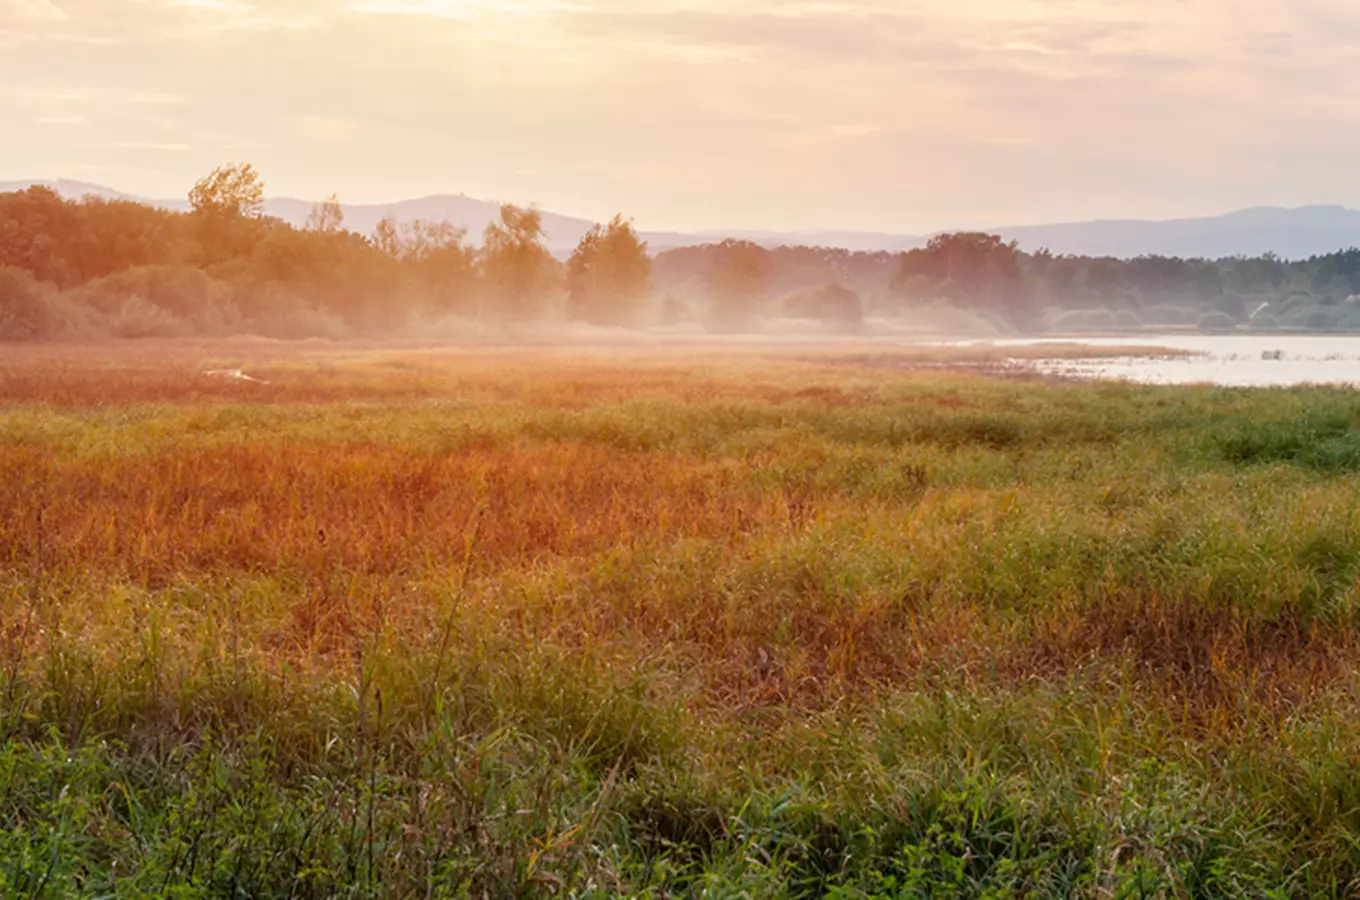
(688, 114)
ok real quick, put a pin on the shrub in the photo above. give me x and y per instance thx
(291, 318)
(1127, 319)
(138, 317)
(1169, 315)
(1314, 317)
(28, 308)
(1099, 320)
(1081, 320)
(944, 318)
(1319, 318)
(162, 300)
(674, 311)
(1216, 321)
(1264, 322)
(832, 304)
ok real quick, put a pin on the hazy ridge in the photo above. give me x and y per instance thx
(1295, 233)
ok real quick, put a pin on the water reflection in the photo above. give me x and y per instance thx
(1239, 360)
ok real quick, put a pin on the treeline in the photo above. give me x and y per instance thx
(1011, 291)
(94, 268)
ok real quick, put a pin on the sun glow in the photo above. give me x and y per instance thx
(458, 9)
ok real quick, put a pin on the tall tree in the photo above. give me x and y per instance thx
(326, 216)
(517, 268)
(609, 275)
(228, 204)
(234, 190)
(738, 283)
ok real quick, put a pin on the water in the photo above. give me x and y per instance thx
(1237, 360)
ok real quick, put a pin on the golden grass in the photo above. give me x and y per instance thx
(741, 570)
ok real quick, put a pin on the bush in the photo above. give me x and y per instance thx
(1264, 322)
(290, 317)
(28, 308)
(832, 304)
(1084, 320)
(1319, 318)
(1169, 315)
(162, 301)
(1216, 321)
(1316, 317)
(1127, 319)
(674, 311)
(939, 317)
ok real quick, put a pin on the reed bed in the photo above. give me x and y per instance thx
(422, 622)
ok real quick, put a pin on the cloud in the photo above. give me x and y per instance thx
(151, 146)
(871, 113)
(31, 11)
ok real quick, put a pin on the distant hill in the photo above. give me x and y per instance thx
(1290, 233)
(564, 232)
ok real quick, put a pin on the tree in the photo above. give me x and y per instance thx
(228, 204)
(974, 270)
(231, 191)
(387, 236)
(609, 274)
(517, 268)
(26, 310)
(326, 216)
(834, 305)
(738, 283)
(37, 231)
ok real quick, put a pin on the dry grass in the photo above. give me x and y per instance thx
(687, 579)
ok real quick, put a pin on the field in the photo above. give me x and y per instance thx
(424, 622)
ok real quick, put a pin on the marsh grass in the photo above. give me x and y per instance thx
(500, 624)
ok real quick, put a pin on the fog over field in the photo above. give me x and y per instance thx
(516, 449)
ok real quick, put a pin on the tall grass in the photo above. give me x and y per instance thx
(514, 624)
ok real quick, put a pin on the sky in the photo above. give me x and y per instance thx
(875, 115)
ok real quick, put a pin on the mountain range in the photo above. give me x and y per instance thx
(1289, 233)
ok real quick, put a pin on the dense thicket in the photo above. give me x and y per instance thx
(97, 267)
(1030, 292)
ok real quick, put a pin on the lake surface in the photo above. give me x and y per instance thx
(1238, 360)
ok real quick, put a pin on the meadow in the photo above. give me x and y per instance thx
(714, 622)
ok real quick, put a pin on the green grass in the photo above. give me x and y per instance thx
(758, 627)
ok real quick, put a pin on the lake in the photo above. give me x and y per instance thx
(1238, 360)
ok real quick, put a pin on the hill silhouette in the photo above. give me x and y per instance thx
(1291, 233)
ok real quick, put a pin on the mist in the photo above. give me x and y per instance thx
(107, 267)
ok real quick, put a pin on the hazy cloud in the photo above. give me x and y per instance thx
(689, 113)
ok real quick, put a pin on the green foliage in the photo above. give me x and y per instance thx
(1169, 315)
(673, 311)
(416, 274)
(230, 191)
(960, 636)
(26, 308)
(518, 270)
(1127, 320)
(1083, 320)
(1217, 321)
(327, 216)
(609, 276)
(979, 270)
(1327, 443)
(738, 285)
(835, 306)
